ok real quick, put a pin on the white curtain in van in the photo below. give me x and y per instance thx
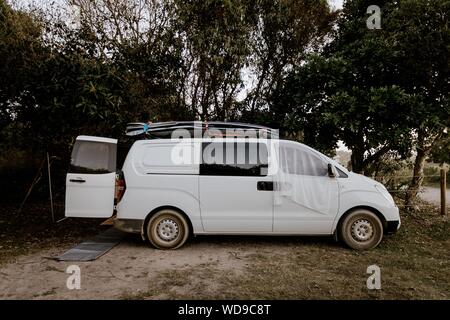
(302, 177)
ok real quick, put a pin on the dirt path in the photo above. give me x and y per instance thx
(125, 270)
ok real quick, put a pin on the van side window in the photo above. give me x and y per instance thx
(302, 162)
(93, 157)
(234, 159)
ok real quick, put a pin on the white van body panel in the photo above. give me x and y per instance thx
(234, 205)
(360, 191)
(155, 157)
(309, 218)
(152, 183)
(145, 194)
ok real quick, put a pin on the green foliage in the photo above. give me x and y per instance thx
(284, 32)
(373, 88)
(441, 151)
(216, 42)
(74, 92)
(184, 60)
(20, 48)
(75, 81)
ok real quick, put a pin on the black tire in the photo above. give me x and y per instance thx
(361, 230)
(167, 229)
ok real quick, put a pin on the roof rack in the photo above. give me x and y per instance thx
(141, 130)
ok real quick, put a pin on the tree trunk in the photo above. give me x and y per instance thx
(416, 181)
(425, 142)
(257, 90)
(357, 160)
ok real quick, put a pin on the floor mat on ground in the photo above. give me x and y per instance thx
(93, 248)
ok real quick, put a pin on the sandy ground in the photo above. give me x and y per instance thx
(125, 270)
(415, 264)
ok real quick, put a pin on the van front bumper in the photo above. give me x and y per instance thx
(392, 226)
(393, 221)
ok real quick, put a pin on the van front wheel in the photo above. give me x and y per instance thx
(361, 230)
(167, 229)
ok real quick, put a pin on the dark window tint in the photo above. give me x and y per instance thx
(123, 147)
(93, 157)
(234, 159)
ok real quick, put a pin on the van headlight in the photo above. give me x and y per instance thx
(383, 191)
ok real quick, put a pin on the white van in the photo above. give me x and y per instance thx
(278, 187)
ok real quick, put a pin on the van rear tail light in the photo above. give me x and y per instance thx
(119, 190)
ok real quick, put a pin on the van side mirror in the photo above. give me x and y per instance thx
(330, 171)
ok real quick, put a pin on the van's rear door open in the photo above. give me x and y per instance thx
(90, 182)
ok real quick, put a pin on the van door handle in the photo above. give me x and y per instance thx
(79, 180)
(265, 185)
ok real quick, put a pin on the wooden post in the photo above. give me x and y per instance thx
(50, 187)
(443, 192)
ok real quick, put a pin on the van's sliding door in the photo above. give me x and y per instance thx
(90, 182)
(236, 192)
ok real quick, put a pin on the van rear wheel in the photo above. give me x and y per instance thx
(361, 230)
(167, 229)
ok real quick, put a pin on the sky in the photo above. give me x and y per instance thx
(337, 4)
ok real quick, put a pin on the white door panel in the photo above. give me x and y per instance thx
(93, 198)
(236, 195)
(307, 199)
(234, 204)
(90, 183)
(311, 210)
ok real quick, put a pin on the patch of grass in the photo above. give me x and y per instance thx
(49, 292)
(46, 293)
(51, 268)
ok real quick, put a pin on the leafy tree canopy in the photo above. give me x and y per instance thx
(373, 89)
